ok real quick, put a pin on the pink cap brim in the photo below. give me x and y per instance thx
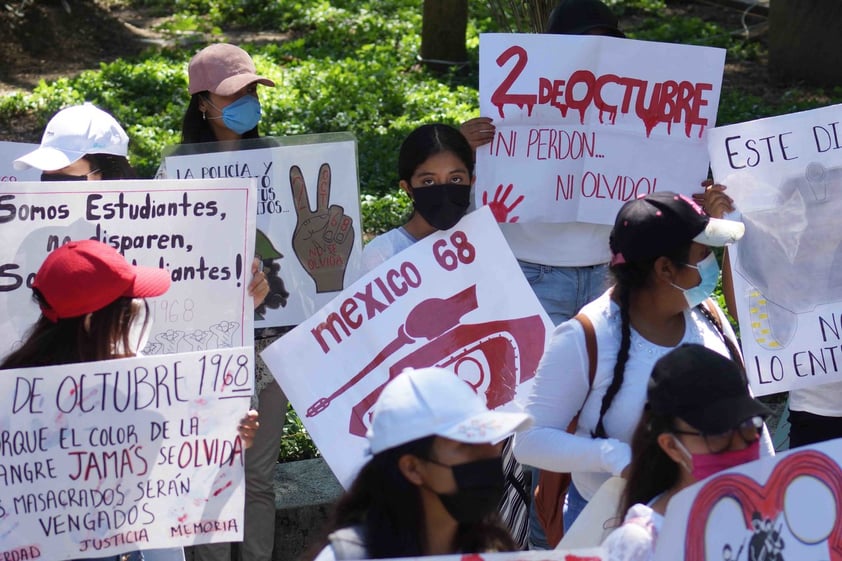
(233, 84)
(149, 282)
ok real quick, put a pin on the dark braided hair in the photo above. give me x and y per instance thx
(735, 353)
(629, 277)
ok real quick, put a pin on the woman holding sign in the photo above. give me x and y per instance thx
(222, 82)
(93, 308)
(436, 171)
(435, 478)
(699, 419)
(664, 272)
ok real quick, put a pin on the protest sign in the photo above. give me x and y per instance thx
(785, 176)
(119, 455)
(9, 152)
(201, 231)
(784, 507)
(579, 134)
(308, 213)
(592, 554)
(455, 299)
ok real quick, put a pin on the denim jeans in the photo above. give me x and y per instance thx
(574, 504)
(562, 292)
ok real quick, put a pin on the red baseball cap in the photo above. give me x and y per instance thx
(84, 276)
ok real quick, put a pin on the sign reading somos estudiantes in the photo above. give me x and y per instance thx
(456, 299)
(202, 232)
(114, 456)
(785, 176)
(578, 135)
(309, 237)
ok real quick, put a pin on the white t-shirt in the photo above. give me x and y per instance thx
(635, 539)
(825, 400)
(384, 246)
(561, 390)
(572, 244)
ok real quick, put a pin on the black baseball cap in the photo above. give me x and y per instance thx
(583, 17)
(703, 388)
(658, 223)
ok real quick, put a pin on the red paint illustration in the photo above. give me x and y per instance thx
(761, 508)
(498, 204)
(493, 357)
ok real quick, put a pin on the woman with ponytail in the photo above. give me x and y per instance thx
(664, 271)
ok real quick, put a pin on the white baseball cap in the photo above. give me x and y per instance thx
(435, 402)
(72, 133)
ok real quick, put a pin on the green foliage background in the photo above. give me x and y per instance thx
(348, 65)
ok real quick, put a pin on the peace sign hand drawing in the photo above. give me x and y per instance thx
(323, 238)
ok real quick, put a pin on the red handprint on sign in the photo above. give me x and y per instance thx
(498, 204)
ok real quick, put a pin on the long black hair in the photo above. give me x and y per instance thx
(651, 471)
(104, 336)
(388, 507)
(196, 128)
(429, 140)
(630, 277)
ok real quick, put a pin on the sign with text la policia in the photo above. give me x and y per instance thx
(103, 458)
(585, 123)
(309, 236)
(202, 232)
(785, 176)
(455, 299)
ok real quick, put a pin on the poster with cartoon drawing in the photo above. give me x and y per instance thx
(309, 238)
(782, 508)
(578, 135)
(11, 151)
(202, 232)
(455, 299)
(785, 176)
(164, 470)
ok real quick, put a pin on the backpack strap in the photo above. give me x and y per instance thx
(590, 347)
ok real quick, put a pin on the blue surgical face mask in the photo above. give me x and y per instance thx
(709, 271)
(240, 116)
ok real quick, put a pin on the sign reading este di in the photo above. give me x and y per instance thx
(577, 135)
(202, 232)
(103, 458)
(309, 237)
(455, 299)
(785, 176)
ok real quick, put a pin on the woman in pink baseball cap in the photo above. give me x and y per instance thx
(93, 307)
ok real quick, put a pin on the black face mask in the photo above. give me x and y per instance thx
(62, 177)
(479, 489)
(442, 206)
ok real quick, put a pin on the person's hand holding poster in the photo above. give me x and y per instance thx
(202, 232)
(120, 455)
(578, 135)
(785, 177)
(455, 299)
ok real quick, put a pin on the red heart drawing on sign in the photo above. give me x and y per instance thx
(767, 500)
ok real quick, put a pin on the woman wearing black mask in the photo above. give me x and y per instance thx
(435, 478)
(436, 170)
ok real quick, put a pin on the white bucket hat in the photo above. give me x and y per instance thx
(435, 402)
(75, 132)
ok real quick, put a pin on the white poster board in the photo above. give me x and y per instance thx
(120, 455)
(784, 507)
(455, 299)
(9, 152)
(785, 176)
(201, 231)
(585, 123)
(308, 215)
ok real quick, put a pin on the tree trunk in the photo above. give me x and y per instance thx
(804, 42)
(443, 33)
